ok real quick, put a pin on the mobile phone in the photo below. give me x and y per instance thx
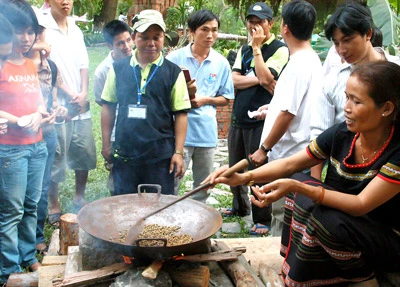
(187, 75)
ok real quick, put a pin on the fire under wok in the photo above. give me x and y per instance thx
(106, 218)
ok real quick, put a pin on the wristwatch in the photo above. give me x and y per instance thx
(264, 149)
(251, 180)
(180, 152)
(256, 52)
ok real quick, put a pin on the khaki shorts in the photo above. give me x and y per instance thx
(76, 148)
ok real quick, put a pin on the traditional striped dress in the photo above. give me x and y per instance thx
(323, 246)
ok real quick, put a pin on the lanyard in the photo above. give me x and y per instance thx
(140, 91)
(249, 60)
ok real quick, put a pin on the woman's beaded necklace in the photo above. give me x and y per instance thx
(377, 154)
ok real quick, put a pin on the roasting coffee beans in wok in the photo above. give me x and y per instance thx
(104, 219)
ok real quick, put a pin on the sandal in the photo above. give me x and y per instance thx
(259, 227)
(228, 212)
(54, 219)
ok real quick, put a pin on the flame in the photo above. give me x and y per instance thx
(127, 259)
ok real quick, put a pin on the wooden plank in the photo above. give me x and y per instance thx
(54, 260)
(54, 245)
(90, 277)
(259, 249)
(49, 273)
(74, 261)
(23, 279)
(231, 254)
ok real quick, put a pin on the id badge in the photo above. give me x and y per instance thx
(137, 112)
(250, 73)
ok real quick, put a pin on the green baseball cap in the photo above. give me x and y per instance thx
(144, 19)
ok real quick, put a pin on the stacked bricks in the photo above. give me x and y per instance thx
(224, 120)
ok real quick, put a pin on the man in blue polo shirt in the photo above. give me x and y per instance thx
(153, 101)
(211, 86)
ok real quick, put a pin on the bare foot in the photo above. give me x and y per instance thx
(35, 266)
(42, 248)
(259, 229)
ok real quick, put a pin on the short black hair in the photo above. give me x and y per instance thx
(377, 37)
(350, 18)
(6, 31)
(20, 14)
(114, 28)
(200, 17)
(300, 17)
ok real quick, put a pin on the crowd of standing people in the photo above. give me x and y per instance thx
(158, 114)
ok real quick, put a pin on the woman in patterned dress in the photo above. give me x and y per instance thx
(344, 230)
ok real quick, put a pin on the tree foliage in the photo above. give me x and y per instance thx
(387, 21)
(396, 5)
(91, 7)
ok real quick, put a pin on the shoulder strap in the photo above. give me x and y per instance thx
(268, 50)
(54, 72)
(246, 54)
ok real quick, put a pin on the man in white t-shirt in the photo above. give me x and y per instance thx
(122, 17)
(76, 142)
(286, 127)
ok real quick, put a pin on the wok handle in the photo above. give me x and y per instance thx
(235, 168)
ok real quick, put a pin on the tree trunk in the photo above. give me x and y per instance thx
(108, 12)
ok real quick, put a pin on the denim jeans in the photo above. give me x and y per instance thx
(51, 145)
(21, 176)
(202, 165)
(127, 177)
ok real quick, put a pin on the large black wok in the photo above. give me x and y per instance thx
(105, 218)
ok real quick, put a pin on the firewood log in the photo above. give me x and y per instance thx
(269, 276)
(152, 270)
(239, 271)
(69, 232)
(197, 276)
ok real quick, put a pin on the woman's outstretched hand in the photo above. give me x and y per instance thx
(234, 180)
(273, 191)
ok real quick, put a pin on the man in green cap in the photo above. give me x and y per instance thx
(151, 123)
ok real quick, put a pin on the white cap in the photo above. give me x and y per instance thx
(146, 18)
(39, 16)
